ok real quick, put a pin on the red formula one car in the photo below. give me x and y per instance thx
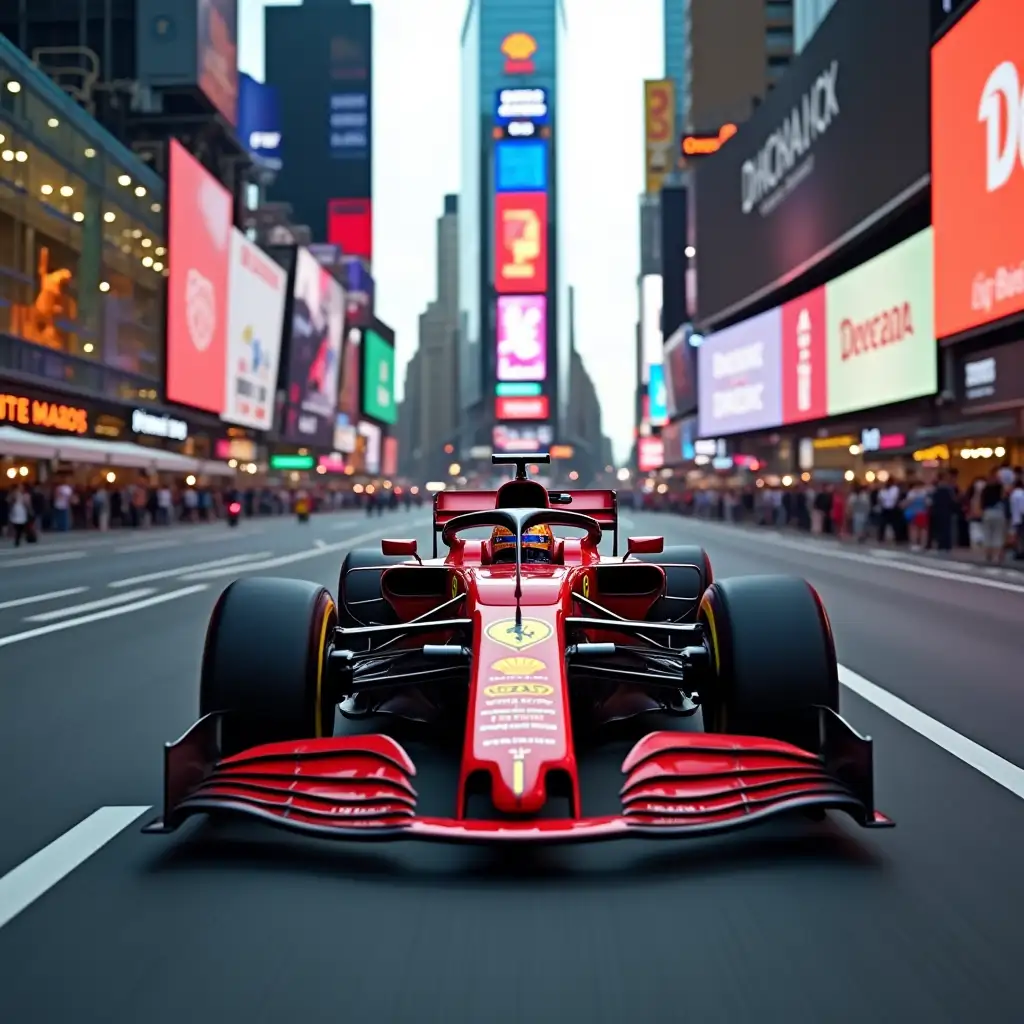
(520, 651)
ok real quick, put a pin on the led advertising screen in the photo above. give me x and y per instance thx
(841, 138)
(350, 225)
(652, 340)
(535, 437)
(199, 240)
(656, 400)
(978, 167)
(259, 121)
(650, 453)
(865, 339)
(379, 378)
(351, 378)
(348, 126)
(520, 105)
(371, 435)
(659, 131)
(217, 55)
(991, 380)
(680, 362)
(257, 291)
(389, 456)
(538, 408)
(521, 166)
(318, 320)
(521, 242)
(522, 338)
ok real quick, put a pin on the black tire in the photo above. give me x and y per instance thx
(360, 600)
(265, 659)
(773, 657)
(684, 586)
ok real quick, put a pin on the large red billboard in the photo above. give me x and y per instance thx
(521, 242)
(350, 225)
(199, 240)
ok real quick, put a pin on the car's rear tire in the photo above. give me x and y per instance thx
(265, 659)
(773, 658)
(360, 599)
(684, 586)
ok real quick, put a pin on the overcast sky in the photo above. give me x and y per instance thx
(416, 161)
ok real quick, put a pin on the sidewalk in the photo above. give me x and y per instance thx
(959, 556)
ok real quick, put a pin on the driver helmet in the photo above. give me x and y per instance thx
(538, 544)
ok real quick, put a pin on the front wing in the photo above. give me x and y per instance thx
(676, 785)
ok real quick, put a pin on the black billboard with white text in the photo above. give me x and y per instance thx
(841, 140)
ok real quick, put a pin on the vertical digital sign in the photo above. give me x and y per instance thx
(521, 242)
(350, 226)
(521, 166)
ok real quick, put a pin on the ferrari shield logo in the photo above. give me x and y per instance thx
(527, 633)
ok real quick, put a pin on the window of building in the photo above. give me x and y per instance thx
(778, 64)
(43, 297)
(134, 268)
(776, 11)
(779, 39)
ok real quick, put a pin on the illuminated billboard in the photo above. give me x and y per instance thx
(521, 242)
(521, 105)
(652, 339)
(522, 338)
(521, 166)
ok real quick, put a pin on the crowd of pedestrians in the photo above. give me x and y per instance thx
(27, 511)
(984, 515)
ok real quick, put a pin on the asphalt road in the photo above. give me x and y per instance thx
(801, 922)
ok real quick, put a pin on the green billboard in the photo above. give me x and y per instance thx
(379, 379)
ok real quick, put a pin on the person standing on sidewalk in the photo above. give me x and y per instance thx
(994, 518)
(1017, 516)
(19, 513)
(889, 511)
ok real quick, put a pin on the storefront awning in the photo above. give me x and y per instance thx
(122, 454)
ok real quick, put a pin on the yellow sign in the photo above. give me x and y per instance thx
(518, 637)
(586, 586)
(511, 689)
(455, 586)
(519, 666)
(704, 145)
(659, 131)
(519, 48)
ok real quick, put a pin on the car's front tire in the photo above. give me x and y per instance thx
(773, 658)
(265, 660)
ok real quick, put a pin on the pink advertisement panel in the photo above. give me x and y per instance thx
(522, 338)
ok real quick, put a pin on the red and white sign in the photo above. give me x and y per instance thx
(805, 358)
(350, 225)
(199, 240)
(522, 408)
(650, 454)
(257, 288)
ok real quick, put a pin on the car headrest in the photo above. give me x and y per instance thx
(522, 494)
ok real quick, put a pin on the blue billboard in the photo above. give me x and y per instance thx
(656, 395)
(259, 120)
(349, 126)
(520, 166)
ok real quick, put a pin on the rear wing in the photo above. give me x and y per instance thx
(603, 506)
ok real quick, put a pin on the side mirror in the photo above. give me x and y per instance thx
(401, 547)
(645, 545)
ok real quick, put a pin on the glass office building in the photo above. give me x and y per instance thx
(510, 169)
(83, 247)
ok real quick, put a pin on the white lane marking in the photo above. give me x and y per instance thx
(1002, 772)
(153, 545)
(62, 556)
(107, 613)
(165, 574)
(53, 595)
(894, 564)
(320, 543)
(276, 563)
(34, 877)
(91, 606)
(236, 534)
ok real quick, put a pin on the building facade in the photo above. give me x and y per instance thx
(83, 262)
(758, 37)
(512, 280)
(326, 102)
(430, 414)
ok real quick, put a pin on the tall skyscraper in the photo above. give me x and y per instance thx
(514, 335)
(320, 60)
(676, 64)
